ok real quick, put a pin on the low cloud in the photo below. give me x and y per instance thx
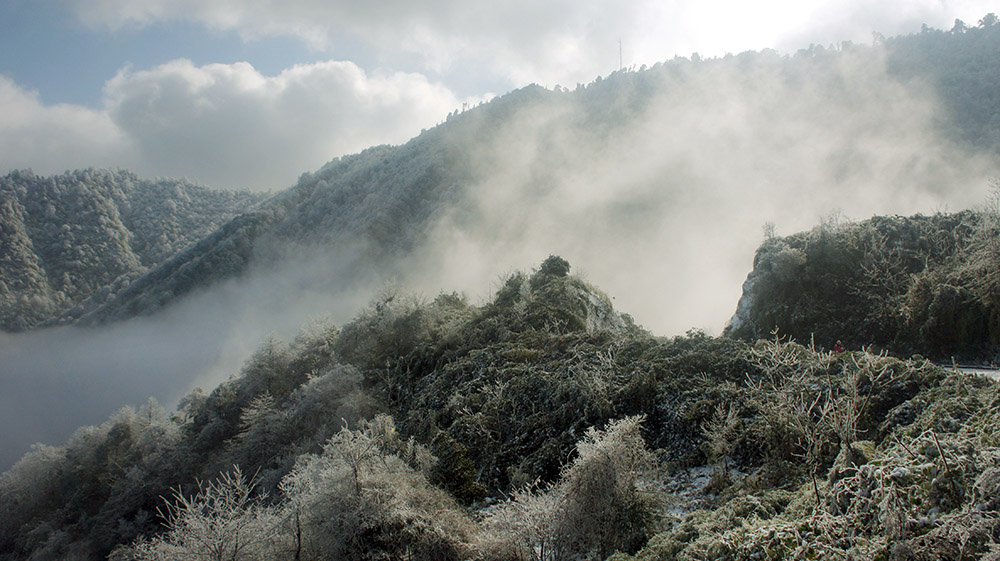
(33, 134)
(664, 207)
(56, 380)
(520, 42)
(226, 125)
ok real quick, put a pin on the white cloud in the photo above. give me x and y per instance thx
(856, 21)
(226, 125)
(230, 125)
(520, 40)
(35, 135)
(559, 41)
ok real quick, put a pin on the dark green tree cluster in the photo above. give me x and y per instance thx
(922, 284)
(962, 65)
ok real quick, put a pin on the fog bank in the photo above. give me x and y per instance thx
(56, 380)
(658, 185)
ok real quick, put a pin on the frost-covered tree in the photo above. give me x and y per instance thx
(99, 490)
(360, 500)
(604, 510)
(595, 509)
(223, 521)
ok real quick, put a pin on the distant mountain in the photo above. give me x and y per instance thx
(72, 241)
(923, 284)
(375, 207)
(961, 65)
(375, 201)
(586, 162)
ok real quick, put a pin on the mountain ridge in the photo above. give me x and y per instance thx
(389, 202)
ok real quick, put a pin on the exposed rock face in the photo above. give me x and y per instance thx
(742, 316)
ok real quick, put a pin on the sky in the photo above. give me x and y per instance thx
(250, 94)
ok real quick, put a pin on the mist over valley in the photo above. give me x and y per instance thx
(655, 183)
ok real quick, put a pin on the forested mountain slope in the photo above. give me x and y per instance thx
(362, 209)
(638, 158)
(960, 65)
(77, 239)
(920, 284)
(541, 425)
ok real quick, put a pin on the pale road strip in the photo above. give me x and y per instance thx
(988, 372)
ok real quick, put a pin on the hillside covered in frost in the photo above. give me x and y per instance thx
(71, 242)
(919, 284)
(541, 425)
